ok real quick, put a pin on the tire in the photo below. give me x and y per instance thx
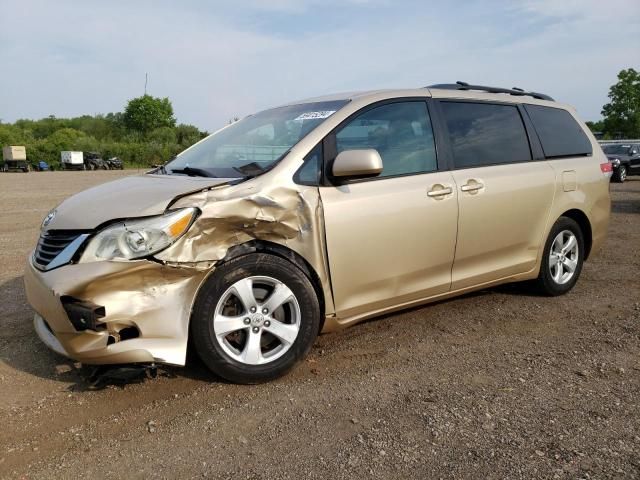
(620, 174)
(554, 278)
(229, 354)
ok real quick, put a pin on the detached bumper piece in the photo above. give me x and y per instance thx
(83, 315)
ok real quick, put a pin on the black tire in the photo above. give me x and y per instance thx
(545, 282)
(201, 329)
(620, 174)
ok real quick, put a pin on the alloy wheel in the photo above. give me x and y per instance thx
(563, 257)
(256, 320)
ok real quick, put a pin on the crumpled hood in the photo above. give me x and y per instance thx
(135, 196)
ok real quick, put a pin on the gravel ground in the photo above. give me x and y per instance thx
(496, 384)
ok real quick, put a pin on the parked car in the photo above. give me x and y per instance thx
(114, 163)
(351, 206)
(625, 160)
(94, 161)
(42, 166)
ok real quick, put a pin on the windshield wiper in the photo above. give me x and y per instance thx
(193, 172)
(250, 170)
(253, 169)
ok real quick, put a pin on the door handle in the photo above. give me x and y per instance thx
(472, 186)
(439, 191)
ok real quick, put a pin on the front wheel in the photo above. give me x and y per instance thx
(620, 174)
(255, 318)
(562, 259)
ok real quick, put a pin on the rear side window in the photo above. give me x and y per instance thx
(400, 132)
(485, 134)
(559, 133)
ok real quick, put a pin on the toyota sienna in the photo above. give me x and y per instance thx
(316, 215)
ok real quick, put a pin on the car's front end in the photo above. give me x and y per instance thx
(99, 294)
(118, 267)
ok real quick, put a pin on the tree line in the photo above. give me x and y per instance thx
(145, 133)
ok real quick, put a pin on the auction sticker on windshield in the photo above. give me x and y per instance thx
(315, 115)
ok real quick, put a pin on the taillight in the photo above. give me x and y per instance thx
(606, 167)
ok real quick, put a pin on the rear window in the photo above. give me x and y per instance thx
(485, 134)
(559, 133)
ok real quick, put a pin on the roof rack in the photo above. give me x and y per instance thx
(511, 91)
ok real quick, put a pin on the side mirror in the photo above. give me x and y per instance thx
(357, 164)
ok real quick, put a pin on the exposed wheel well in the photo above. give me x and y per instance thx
(581, 219)
(261, 246)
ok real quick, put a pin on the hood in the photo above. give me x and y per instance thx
(619, 157)
(135, 196)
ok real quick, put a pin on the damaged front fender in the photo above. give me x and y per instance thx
(277, 212)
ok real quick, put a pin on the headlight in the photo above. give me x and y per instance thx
(138, 238)
(615, 162)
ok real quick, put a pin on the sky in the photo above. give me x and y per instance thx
(216, 60)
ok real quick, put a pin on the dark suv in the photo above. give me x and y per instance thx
(625, 159)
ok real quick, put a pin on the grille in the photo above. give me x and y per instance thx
(50, 245)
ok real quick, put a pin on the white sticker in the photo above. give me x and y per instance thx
(315, 115)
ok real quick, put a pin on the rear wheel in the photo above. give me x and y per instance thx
(620, 174)
(255, 318)
(562, 259)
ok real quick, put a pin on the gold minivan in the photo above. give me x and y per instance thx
(316, 215)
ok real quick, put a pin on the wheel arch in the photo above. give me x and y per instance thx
(585, 225)
(262, 246)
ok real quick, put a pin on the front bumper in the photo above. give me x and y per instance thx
(144, 297)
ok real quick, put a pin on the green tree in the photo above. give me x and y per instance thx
(596, 126)
(622, 113)
(187, 135)
(146, 113)
(164, 135)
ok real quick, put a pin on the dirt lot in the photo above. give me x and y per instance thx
(498, 384)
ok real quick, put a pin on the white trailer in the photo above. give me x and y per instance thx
(72, 160)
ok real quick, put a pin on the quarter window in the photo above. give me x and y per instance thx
(485, 134)
(559, 133)
(400, 132)
(309, 172)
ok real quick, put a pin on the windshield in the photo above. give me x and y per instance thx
(617, 149)
(254, 144)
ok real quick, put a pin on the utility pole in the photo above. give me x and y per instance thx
(145, 82)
